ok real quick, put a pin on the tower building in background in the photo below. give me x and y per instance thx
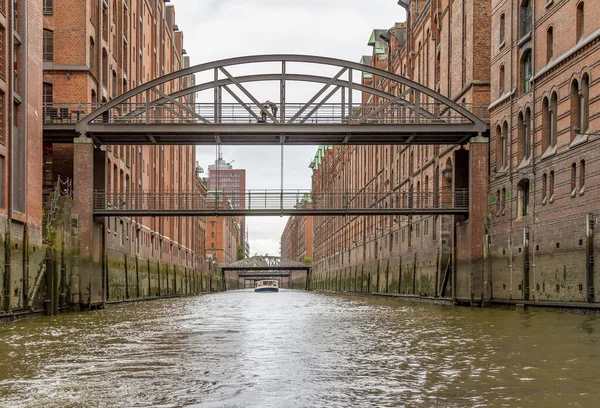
(223, 178)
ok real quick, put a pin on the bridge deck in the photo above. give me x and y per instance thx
(264, 134)
(280, 202)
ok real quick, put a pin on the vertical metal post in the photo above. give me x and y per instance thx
(350, 89)
(147, 106)
(219, 117)
(216, 97)
(417, 106)
(281, 197)
(343, 104)
(282, 93)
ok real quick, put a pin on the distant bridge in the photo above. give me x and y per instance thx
(266, 267)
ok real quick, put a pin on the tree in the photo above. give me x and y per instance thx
(240, 253)
(307, 260)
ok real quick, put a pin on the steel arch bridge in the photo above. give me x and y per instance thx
(165, 111)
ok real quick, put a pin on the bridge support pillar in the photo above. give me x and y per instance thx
(478, 198)
(89, 270)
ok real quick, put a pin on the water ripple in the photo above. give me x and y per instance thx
(297, 349)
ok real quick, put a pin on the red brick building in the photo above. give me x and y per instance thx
(232, 182)
(297, 237)
(21, 218)
(533, 64)
(94, 51)
(223, 234)
(445, 46)
(544, 170)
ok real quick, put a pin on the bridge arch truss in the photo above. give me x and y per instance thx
(343, 109)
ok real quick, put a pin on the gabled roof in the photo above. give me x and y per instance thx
(367, 60)
(376, 42)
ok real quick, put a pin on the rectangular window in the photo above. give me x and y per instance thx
(48, 45)
(2, 119)
(2, 50)
(48, 7)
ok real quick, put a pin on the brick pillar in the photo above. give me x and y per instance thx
(83, 189)
(478, 198)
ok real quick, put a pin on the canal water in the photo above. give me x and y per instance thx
(298, 349)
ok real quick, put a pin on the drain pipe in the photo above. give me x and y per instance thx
(510, 176)
(533, 281)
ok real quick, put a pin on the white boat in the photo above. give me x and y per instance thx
(266, 286)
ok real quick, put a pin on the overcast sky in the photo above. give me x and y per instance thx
(217, 29)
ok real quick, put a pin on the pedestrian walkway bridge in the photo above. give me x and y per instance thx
(226, 108)
(281, 202)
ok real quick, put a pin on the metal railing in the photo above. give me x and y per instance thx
(235, 113)
(67, 113)
(278, 200)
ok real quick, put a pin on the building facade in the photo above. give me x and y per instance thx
(530, 69)
(222, 177)
(445, 46)
(297, 239)
(223, 234)
(95, 51)
(21, 214)
(544, 165)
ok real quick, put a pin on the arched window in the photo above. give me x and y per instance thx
(526, 72)
(498, 208)
(581, 176)
(526, 17)
(48, 45)
(502, 28)
(580, 21)
(499, 159)
(544, 188)
(549, 44)
(104, 21)
(104, 68)
(553, 119)
(573, 179)
(501, 76)
(545, 123)
(114, 84)
(527, 139)
(575, 109)
(504, 145)
(521, 135)
(523, 188)
(92, 53)
(551, 186)
(584, 97)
